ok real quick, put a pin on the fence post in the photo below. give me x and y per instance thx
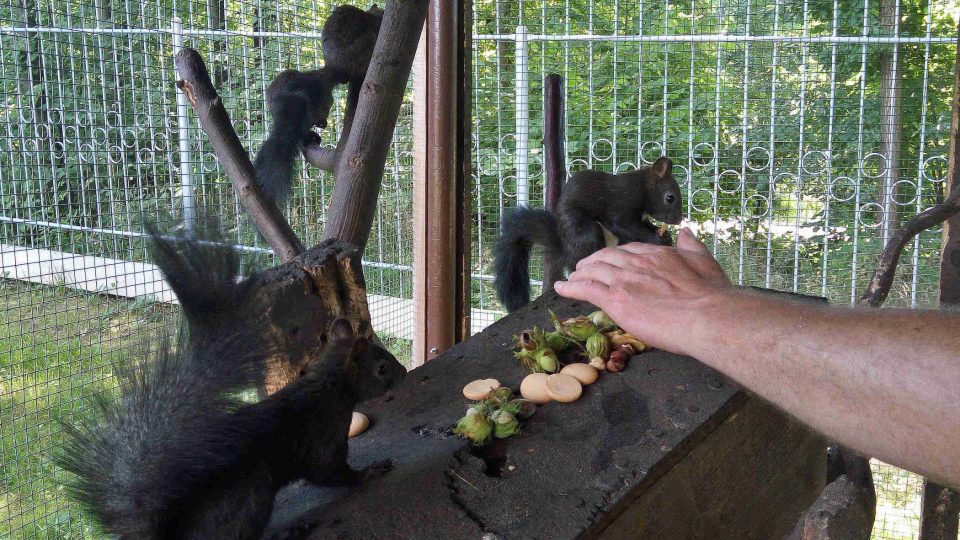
(183, 127)
(522, 91)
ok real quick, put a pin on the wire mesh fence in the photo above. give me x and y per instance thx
(802, 133)
(781, 117)
(93, 139)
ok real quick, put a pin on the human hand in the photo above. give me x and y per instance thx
(653, 292)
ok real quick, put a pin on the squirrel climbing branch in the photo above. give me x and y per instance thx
(195, 83)
(325, 158)
(361, 161)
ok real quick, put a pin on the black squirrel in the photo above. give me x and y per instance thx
(180, 455)
(298, 101)
(591, 204)
(348, 38)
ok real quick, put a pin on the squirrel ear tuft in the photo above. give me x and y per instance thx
(341, 329)
(662, 167)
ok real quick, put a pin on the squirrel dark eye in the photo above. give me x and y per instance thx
(382, 369)
(670, 198)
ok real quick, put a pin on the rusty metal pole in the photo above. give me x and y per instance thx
(554, 154)
(941, 505)
(436, 239)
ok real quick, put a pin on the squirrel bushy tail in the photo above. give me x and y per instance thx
(292, 121)
(520, 230)
(134, 457)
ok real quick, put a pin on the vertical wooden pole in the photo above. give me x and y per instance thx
(891, 121)
(950, 252)
(437, 242)
(941, 505)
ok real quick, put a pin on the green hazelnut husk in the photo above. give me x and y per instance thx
(547, 360)
(598, 345)
(602, 320)
(504, 424)
(477, 428)
(556, 341)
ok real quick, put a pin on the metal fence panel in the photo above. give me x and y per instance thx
(93, 138)
(782, 118)
(802, 132)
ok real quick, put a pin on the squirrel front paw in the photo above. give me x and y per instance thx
(312, 137)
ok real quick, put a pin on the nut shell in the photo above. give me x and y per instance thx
(479, 389)
(563, 388)
(584, 373)
(616, 366)
(358, 424)
(533, 387)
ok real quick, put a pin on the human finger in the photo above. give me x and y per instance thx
(611, 255)
(597, 270)
(640, 248)
(586, 290)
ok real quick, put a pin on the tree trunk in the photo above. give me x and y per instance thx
(890, 118)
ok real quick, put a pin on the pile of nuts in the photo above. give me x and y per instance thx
(495, 414)
(560, 362)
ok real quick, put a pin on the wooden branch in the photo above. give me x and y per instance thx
(326, 158)
(879, 287)
(360, 167)
(195, 83)
(846, 507)
(939, 511)
(300, 299)
(943, 500)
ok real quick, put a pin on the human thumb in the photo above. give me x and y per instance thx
(687, 241)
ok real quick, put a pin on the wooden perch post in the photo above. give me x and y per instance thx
(302, 298)
(361, 164)
(195, 83)
(940, 511)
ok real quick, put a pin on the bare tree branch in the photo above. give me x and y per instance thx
(360, 166)
(327, 159)
(195, 83)
(879, 287)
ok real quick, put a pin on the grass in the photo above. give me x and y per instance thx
(56, 347)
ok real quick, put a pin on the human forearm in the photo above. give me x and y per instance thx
(880, 381)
